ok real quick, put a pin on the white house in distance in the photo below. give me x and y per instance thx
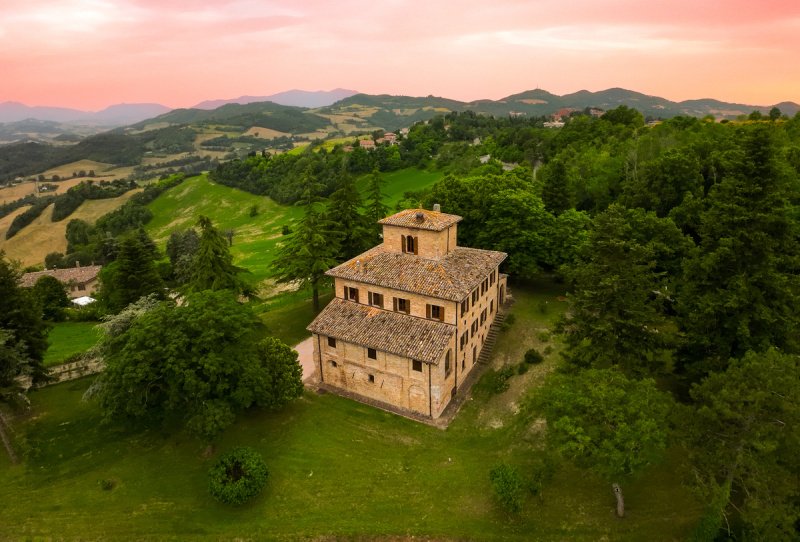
(410, 316)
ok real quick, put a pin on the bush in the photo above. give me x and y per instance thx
(238, 476)
(533, 357)
(508, 322)
(522, 368)
(507, 485)
(548, 350)
(544, 336)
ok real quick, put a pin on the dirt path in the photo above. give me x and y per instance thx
(305, 351)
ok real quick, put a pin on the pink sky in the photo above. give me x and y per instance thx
(89, 54)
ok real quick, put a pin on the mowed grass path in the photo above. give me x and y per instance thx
(337, 469)
(69, 338)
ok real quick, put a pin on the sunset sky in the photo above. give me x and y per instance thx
(89, 54)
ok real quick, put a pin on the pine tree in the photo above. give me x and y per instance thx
(213, 267)
(310, 249)
(131, 276)
(742, 285)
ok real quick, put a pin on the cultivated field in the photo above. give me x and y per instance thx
(265, 133)
(43, 236)
(11, 193)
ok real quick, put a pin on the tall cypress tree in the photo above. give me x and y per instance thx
(376, 210)
(344, 214)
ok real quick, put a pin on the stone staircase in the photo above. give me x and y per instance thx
(494, 331)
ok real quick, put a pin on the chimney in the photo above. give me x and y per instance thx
(77, 263)
(437, 208)
(420, 216)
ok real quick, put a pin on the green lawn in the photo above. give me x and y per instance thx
(337, 468)
(396, 183)
(68, 338)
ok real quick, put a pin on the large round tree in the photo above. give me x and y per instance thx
(200, 362)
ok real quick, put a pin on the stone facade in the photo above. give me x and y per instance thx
(410, 316)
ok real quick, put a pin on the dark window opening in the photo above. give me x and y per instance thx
(372, 378)
(416, 365)
(352, 294)
(372, 353)
(402, 305)
(331, 342)
(375, 299)
(334, 364)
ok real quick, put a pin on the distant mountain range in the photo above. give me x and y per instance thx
(115, 115)
(296, 98)
(395, 108)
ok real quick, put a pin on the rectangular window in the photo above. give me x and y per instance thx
(331, 342)
(371, 378)
(352, 294)
(483, 316)
(416, 365)
(372, 353)
(447, 366)
(464, 306)
(475, 296)
(375, 299)
(474, 327)
(464, 339)
(410, 245)
(492, 277)
(434, 312)
(402, 305)
(491, 307)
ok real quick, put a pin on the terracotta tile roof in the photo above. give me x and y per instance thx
(431, 220)
(71, 274)
(452, 277)
(383, 330)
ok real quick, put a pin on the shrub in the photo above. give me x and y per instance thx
(238, 476)
(254, 210)
(533, 357)
(508, 322)
(544, 336)
(507, 485)
(107, 484)
(522, 368)
(548, 350)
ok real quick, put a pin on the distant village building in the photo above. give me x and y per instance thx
(366, 144)
(79, 281)
(389, 138)
(553, 124)
(410, 316)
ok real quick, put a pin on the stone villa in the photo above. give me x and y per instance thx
(410, 316)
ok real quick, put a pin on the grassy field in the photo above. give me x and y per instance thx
(69, 338)
(11, 193)
(396, 183)
(43, 236)
(337, 469)
(255, 239)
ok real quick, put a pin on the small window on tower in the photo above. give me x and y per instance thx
(416, 365)
(331, 342)
(372, 353)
